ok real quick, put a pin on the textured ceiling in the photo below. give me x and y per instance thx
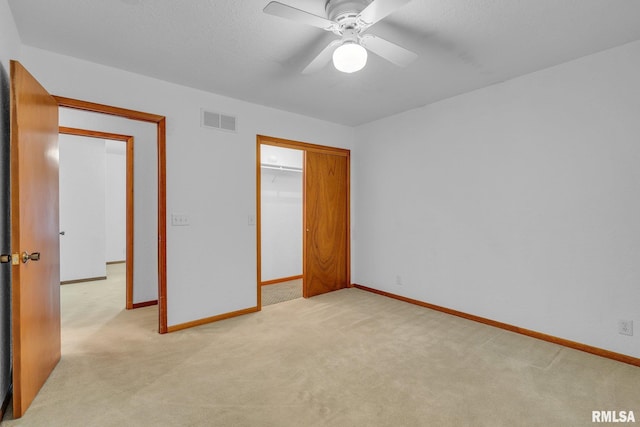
(231, 48)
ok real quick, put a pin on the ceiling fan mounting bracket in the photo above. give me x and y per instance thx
(350, 35)
(345, 14)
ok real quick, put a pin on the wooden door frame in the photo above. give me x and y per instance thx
(160, 122)
(129, 141)
(304, 147)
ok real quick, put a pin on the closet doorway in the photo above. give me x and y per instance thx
(281, 223)
(323, 224)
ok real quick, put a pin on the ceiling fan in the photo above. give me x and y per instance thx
(349, 19)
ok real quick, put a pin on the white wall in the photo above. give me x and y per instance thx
(10, 45)
(145, 236)
(210, 176)
(92, 205)
(517, 202)
(82, 207)
(9, 49)
(281, 213)
(116, 201)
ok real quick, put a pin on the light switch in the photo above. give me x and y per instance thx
(179, 219)
(252, 220)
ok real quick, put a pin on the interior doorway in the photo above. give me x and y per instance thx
(325, 223)
(128, 140)
(160, 162)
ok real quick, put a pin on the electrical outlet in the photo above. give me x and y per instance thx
(398, 280)
(625, 327)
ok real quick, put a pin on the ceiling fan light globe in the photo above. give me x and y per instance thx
(349, 58)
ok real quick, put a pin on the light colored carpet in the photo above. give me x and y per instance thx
(281, 292)
(348, 358)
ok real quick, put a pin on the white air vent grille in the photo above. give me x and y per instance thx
(209, 119)
(228, 123)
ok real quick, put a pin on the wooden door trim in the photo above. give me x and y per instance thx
(160, 122)
(259, 224)
(94, 107)
(304, 147)
(129, 140)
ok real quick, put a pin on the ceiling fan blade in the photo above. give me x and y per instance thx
(387, 50)
(323, 57)
(283, 11)
(378, 9)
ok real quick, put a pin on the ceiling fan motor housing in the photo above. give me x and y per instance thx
(344, 12)
(349, 19)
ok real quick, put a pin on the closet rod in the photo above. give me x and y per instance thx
(280, 168)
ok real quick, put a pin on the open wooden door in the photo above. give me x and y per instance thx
(326, 222)
(34, 238)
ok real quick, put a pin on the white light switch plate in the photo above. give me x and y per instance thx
(179, 219)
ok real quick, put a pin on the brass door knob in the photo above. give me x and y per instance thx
(35, 256)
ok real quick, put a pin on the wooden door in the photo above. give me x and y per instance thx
(326, 222)
(34, 228)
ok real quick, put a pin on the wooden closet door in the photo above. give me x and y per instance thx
(326, 222)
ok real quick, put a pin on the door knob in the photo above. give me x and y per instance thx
(35, 256)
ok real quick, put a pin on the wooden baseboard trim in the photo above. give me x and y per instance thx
(6, 402)
(144, 304)
(206, 320)
(281, 280)
(89, 279)
(116, 262)
(544, 337)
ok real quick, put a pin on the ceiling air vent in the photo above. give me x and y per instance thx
(209, 119)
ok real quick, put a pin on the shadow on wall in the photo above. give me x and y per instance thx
(5, 239)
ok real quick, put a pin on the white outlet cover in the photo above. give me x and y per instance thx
(625, 327)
